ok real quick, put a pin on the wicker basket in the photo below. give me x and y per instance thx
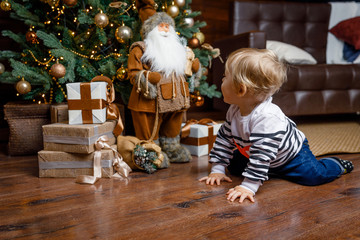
(25, 122)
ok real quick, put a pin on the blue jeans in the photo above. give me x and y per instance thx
(303, 169)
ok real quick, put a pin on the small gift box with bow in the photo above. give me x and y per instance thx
(76, 138)
(199, 136)
(91, 102)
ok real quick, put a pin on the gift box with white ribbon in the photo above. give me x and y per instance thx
(59, 164)
(201, 137)
(76, 138)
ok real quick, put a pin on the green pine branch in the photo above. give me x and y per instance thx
(9, 54)
(32, 75)
(23, 13)
(18, 38)
(209, 91)
(49, 40)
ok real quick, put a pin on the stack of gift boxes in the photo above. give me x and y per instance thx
(69, 146)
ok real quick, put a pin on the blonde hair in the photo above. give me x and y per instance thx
(258, 69)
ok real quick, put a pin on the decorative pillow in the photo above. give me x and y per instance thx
(350, 53)
(289, 53)
(348, 31)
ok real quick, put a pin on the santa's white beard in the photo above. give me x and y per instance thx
(165, 52)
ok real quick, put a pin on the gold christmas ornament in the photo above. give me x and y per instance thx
(2, 68)
(121, 73)
(189, 21)
(123, 34)
(199, 101)
(31, 36)
(180, 3)
(101, 20)
(70, 3)
(173, 10)
(200, 36)
(194, 42)
(57, 70)
(23, 87)
(5, 5)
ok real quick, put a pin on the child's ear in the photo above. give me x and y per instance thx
(242, 90)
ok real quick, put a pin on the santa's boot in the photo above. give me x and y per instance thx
(173, 149)
(165, 163)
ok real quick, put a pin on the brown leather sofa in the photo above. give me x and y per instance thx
(310, 89)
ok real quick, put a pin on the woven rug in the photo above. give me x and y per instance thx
(332, 137)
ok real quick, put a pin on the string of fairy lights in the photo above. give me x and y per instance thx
(101, 20)
(57, 10)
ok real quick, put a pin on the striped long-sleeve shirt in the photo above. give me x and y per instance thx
(267, 136)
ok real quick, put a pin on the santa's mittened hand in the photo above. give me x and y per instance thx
(147, 89)
(154, 77)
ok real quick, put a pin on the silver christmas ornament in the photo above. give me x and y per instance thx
(123, 34)
(180, 3)
(189, 21)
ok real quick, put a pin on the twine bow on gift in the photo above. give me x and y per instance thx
(113, 112)
(121, 168)
(215, 52)
(210, 139)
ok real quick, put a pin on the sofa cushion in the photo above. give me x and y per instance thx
(348, 31)
(289, 53)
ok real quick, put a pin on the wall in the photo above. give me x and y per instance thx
(215, 14)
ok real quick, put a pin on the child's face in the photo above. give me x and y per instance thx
(228, 89)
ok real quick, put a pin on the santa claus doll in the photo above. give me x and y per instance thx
(160, 92)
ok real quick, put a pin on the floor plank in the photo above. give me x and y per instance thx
(172, 204)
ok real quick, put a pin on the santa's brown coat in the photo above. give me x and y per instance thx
(138, 102)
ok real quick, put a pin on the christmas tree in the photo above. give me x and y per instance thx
(76, 40)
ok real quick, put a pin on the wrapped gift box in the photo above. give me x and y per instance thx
(87, 102)
(25, 122)
(59, 113)
(63, 164)
(76, 138)
(201, 138)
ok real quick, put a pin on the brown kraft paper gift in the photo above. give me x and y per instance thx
(61, 164)
(76, 138)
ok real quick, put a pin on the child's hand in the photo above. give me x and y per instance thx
(240, 192)
(215, 177)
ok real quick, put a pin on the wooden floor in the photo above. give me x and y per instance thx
(172, 204)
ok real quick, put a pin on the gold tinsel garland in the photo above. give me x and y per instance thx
(39, 62)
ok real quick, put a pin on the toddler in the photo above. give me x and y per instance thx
(265, 140)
